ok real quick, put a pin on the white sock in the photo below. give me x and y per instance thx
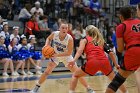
(71, 91)
(38, 83)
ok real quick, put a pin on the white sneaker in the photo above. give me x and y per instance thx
(23, 73)
(38, 67)
(35, 90)
(5, 74)
(16, 73)
(38, 72)
(13, 74)
(29, 73)
(89, 90)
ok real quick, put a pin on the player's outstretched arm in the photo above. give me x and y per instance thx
(80, 49)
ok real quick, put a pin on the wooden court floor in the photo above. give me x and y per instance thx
(59, 83)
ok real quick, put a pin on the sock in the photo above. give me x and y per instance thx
(38, 83)
(36, 87)
(71, 91)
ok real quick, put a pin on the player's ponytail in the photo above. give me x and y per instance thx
(95, 34)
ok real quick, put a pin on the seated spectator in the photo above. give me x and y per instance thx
(32, 28)
(24, 14)
(16, 56)
(43, 25)
(5, 33)
(5, 57)
(37, 9)
(15, 33)
(36, 56)
(23, 49)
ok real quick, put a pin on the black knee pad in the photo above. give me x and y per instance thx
(116, 82)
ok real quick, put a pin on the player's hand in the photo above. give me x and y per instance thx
(117, 66)
(55, 55)
(71, 64)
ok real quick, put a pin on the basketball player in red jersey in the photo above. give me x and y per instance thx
(128, 40)
(137, 73)
(94, 47)
(62, 43)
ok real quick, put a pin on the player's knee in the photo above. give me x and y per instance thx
(117, 82)
(75, 76)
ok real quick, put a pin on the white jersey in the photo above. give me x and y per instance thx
(60, 47)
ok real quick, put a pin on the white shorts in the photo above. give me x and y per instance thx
(64, 60)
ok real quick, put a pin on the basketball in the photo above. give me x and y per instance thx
(47, 51)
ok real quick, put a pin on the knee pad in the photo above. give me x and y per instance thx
(116, 82)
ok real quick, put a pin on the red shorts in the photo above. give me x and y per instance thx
(132, 59)
(92, 66)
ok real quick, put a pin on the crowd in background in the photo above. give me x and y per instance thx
(45, 16)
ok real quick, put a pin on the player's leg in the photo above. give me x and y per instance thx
(78, 74)
(122, 87)
(137, 75)
(50, 67)
(118, 80)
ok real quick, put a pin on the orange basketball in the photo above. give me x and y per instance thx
(47, 51)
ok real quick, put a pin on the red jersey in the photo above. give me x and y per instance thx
(129, 30)
(30, 25)
(94, 51)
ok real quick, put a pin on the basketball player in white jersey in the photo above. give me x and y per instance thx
(63, 46)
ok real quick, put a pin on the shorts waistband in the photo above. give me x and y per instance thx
(136, 45)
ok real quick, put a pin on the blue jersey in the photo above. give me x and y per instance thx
(15, 54)
(24, 51)
(35, 55)
(4, 53)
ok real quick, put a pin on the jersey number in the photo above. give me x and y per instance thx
(136, 28)
(60, 49)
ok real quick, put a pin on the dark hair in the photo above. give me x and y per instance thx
(44, 17)
(126, 12)
(139, 5)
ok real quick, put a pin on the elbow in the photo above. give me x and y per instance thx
(120, 50)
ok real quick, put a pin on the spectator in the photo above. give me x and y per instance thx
(36, 56)
(43, 25)
(37, 9)
(5, 33)
(79, 33)
(5, 57)
(37, 16)
(70, 30)
(95, 5)
(32, 28)
(24, 14)
(55, 25)
(1, 20)
(16, 57)
(15, 33)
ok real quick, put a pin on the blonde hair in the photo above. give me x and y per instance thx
(95, 34)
